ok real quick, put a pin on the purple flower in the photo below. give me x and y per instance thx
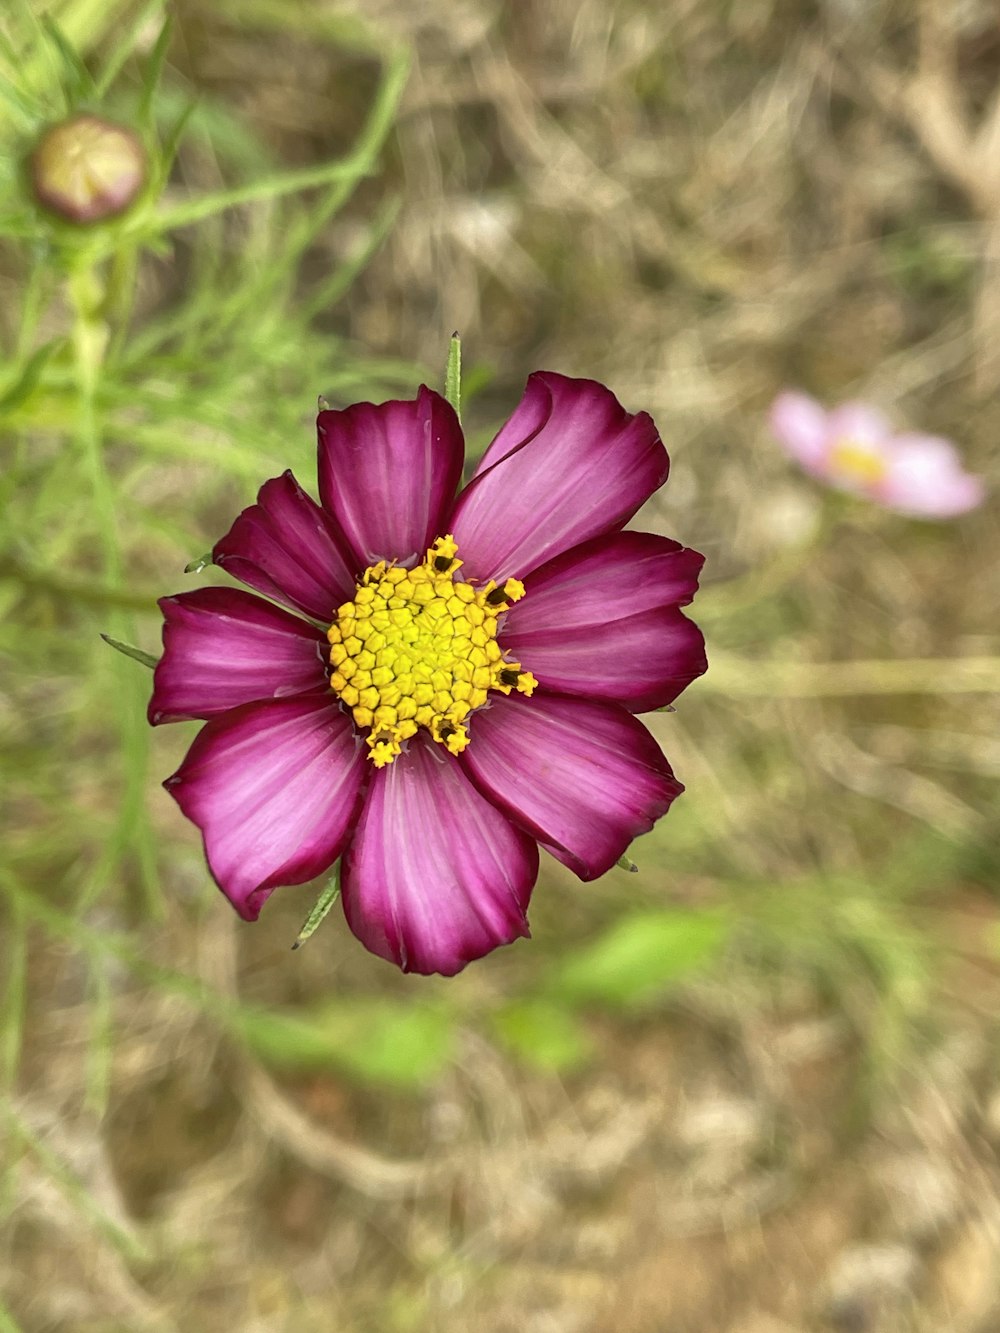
(459, 683)
(854, 448)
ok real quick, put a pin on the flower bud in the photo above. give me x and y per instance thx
(86, 169)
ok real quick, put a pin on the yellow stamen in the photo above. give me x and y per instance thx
(853, 462)
(416, 649)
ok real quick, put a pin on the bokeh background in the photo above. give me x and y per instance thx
(752, 1088)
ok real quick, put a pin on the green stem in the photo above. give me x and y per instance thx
(90, 342)
(31, 308)
(121, 295)
(14, 994)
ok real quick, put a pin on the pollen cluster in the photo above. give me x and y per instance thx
(417, 649)
(853, 462)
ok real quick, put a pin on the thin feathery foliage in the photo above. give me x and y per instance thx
(698, 205)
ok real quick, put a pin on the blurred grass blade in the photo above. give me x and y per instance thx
(7, 50)
(543, 1034)
(78, 82)
(275, 186)
(641, 955)
(172, 142)
(129, 650)
(14, 994)
(30, 112)
(27, 381)
(358, 164)
(328, 293)
(125, 44)
(393, 1042)
(25, 12)
(75, 1190)
(453, 375)
(152, 75)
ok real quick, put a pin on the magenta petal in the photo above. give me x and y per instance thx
(223, 647)
(569, 465)
(435, 876)
(602, 621)
(275, 788)
(583, 778)
(288, 549)
(388, 473)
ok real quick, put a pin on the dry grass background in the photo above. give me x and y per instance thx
(697, 202)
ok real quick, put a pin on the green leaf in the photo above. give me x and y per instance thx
(20, 102)
(77, 78)
(274, 186)
(152, 75)
(641, 955)
(453, 375)
(125, 43)
(543, 1034)
(375, 1041)
(25, 384)
(129, 650)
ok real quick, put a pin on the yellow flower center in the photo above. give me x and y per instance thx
(854, 463)
(417, 649)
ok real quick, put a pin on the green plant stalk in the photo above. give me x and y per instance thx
(90, 340)
(31, 309)
(123, 270)
(342, 178)
(12, 1030)
(269, 187)
(125, 44)
(90, 337)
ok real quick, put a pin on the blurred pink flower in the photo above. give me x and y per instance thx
(854, 448)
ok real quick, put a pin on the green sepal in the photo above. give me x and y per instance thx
(330, 894)
(196, 566)
(129, 650)
(626, 863)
